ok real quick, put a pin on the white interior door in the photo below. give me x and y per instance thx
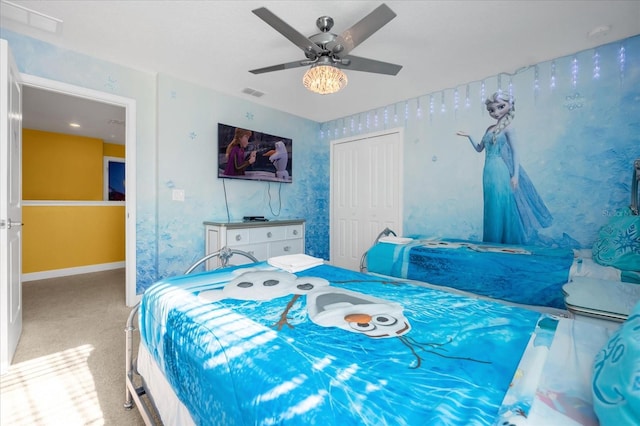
(366, 194)
(10, 206)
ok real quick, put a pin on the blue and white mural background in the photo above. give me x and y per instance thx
(188, 117)
(578, 121)
(578, 125)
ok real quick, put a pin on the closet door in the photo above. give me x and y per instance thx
(366, 194)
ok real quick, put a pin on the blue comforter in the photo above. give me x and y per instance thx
(314, 352)
(521, 274)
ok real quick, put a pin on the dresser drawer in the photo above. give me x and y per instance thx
(267, 233)
(259, 251)
(237, 236)
(261, 240)
(294, 231)
(280, 248)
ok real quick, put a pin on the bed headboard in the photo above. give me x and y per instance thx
(634, 186)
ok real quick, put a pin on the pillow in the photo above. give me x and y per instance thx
(616, 375)
(618, 243)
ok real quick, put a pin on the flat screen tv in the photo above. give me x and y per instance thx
(272, 155)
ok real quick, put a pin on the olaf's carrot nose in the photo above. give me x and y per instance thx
(359, 318)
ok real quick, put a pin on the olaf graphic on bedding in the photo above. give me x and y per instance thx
(327, 306)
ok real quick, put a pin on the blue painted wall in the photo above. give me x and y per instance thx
(578, 141)
(176, 149)
(188, 116)
(578, 125)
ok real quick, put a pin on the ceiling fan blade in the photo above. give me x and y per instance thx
(357, 63)
(362, 30)
(309, 47)
(279, 67)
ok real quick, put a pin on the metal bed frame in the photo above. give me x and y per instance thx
(133, 392)
(363, 260)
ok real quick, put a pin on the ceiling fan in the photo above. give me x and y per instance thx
(331, 50)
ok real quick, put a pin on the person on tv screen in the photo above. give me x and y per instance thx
(236, 162)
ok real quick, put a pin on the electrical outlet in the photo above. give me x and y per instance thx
(177, 195)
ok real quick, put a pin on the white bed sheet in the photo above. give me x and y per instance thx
(167, 404)
(584, 266)
(558, 384)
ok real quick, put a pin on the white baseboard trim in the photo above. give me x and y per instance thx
(55, 273)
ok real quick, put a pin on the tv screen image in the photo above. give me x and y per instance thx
(263, 157)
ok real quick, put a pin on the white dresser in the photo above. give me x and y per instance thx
(260, 239)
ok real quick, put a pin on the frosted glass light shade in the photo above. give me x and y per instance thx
(324, 79)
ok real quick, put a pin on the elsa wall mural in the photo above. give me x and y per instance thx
(513, 209)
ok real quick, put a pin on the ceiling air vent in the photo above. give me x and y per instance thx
(252, 92)
(31, 17)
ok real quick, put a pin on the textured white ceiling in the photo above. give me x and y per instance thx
(441, 44)
(53, 112)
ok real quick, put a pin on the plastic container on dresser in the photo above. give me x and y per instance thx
(260, 239)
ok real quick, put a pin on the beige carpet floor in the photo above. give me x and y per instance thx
(69, 367)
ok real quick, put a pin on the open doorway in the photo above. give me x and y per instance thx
(125, 123)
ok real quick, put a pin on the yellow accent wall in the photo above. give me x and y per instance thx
(60, 237)
(59, 167)
(56, 166)
(113, 150)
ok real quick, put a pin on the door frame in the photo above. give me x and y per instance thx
(396, 130)
(130, 163)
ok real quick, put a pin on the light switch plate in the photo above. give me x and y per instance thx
(177, 195)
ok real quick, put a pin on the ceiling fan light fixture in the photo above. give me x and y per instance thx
(324, 79)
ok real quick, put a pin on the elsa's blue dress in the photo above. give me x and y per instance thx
(510, 217)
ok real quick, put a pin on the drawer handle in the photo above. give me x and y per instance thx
(251, 252)
(238, 237)
(287, 248)
(269, 234)
(295, 232)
